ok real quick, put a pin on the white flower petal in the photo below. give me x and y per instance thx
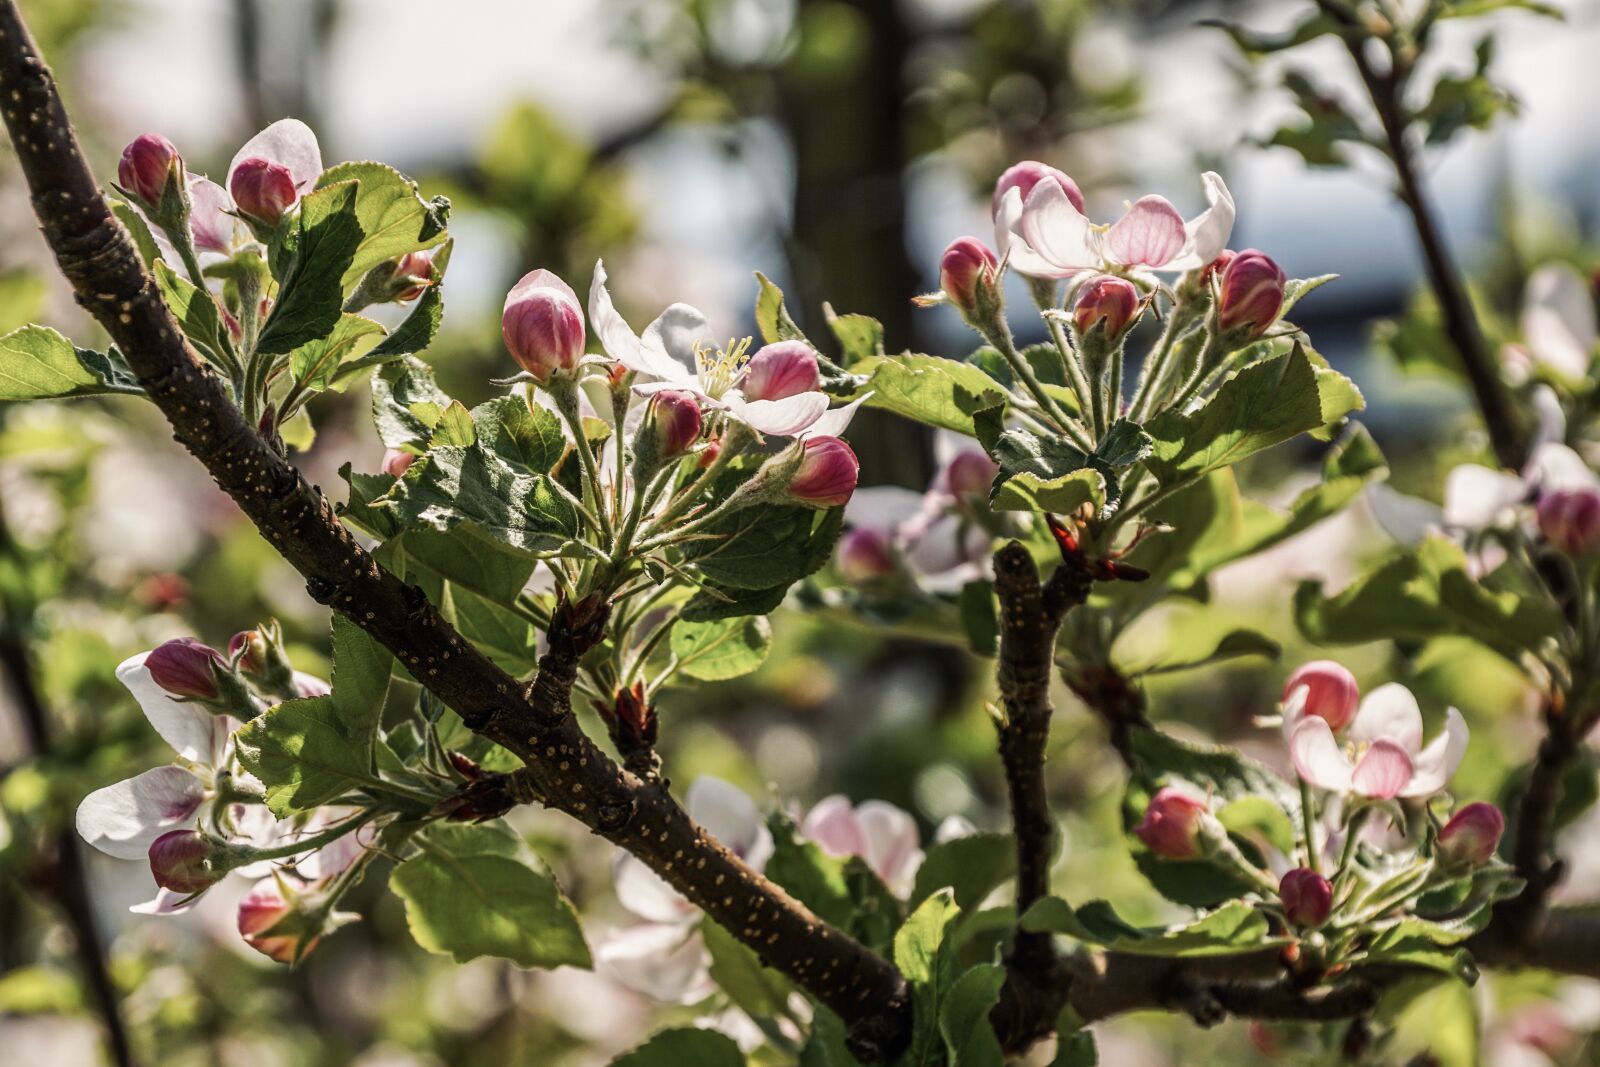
(1057, 233)
(883, 507)
(1558, 319)
(832, 825)
(835, 421)
(1476, 497)
(619, 340)
(188, 727)
(165, 902)
(122, 819)
(1383, 771)
(731, 817)
(287, 141)
(1555, 466)
(1436, 763)
(1317, 757)
(778, 418)
(645, 893)
(668, 963)
(1389, 713)
(1150, 234)
(893, 844)
(1208, 232)
(676, 332)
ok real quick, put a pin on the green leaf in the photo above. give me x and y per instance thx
(138, 229)
(1232, 929)
(1262, 405)
(757, 989)
(1469, 102)
(527, 438)
(717, 651)
(717, 602)
(361, 672)
(303, 753)
(507, 638)
(418, 330)
(929, 389)
(37, 363)
(195, 310)
(451, 487)
(685, 1047)
(971, 867)
(964, 1018)
(1182, 655)
(1252, 43)
(308, 257)
(1048, 474)
(772, 317)
(454, 428)
(924, 956)
(466, 896)
(810, 875)
(1260, 817)
(1074, 1047)
(765, 545)
(317, 363)
(978, 619)
(1402, 944)
(1431, 1019)
(860, 337)
(1295, 289)
(407, 404)
(394, 218)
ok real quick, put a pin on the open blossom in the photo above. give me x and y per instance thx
(1559, 330)
(781, 370)
(1052, 238)
(882, 835)
(1024, 176)
(542, 324)
(678, 351)
(1382, 754)
(663, 956)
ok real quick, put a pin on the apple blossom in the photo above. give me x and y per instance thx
(186, 667)
(1173, 824)
(397, 461)
(250, 650)
(180, 860)
(1025, 175)
(1107, 300)
(146, 164)
(969, 474)
(212, 224)
(1331, 691)
(263, 908)
(1570, 519)
(1252, 293)
(1558, 320)
(827, 474)
(1052, 238)
(262, 190)
(864, 555)
(412, 273)
(966, 271)
(675, 420)
(678, 351)
(781, 370)
(882, 835)
(543, 325)
(1384, 756)
(1471, 836)
(287, 143)
(1307, 897)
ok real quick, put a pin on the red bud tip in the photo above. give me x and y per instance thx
(262, 189)
(1331, 691)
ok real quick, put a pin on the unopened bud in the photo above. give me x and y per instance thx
(181, 860)
(186, 668)
(970, 475)
(675, 421)
(145, 166)
(1570, 519)
(780, 370)
(966, 271)
(709, 454)
(827, 474)
(865, 555)
(1307, 897)
(1172, 826)
(262, 189)
(250, 650)
(1106, 299)
(397, 461)
(1331, 691)
(631, 720)
(1025, 175)
(1471, 836)
(413, 273)
(264, 908)
(1252, 293)
(543, 325)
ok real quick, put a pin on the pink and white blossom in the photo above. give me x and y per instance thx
(882, 835)
(1381, 754)
(1559, 330)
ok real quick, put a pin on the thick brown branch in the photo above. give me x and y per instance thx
(566, 770)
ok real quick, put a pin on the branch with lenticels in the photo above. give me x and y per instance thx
(563, 768)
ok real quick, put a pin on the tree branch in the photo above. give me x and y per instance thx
(565, 769)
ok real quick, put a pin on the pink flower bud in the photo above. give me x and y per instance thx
(1171, 826)
(1471, 836)
(709, 454)
(262, 909)
(251, 648)
(1252, 292)
(1331, 691)
(1219, 265)
(865, 555)
(1307, 897)
(1113, 301)
(181, 861)
(782, 369)
(675, 416)
(396, 462)
(262, 189)
(414, 270)
(1025, 175)
(144, 166)
(186, 668)
(1570, 519)
(827, 474)
(970, 474)
(543, 325)
(966, 266)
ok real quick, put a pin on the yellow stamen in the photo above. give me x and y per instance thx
(719, 368)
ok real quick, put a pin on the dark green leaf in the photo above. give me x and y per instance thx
(924, 956)
(303, 753)
(37, 363)
(308, 257)
(393, 216)
(684, 1047)
(964, 1018)
(720, 650)
(318, 363)
(971, 867)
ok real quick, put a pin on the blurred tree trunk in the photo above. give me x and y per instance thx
(849, 236)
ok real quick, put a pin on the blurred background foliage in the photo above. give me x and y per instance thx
(834, 145)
